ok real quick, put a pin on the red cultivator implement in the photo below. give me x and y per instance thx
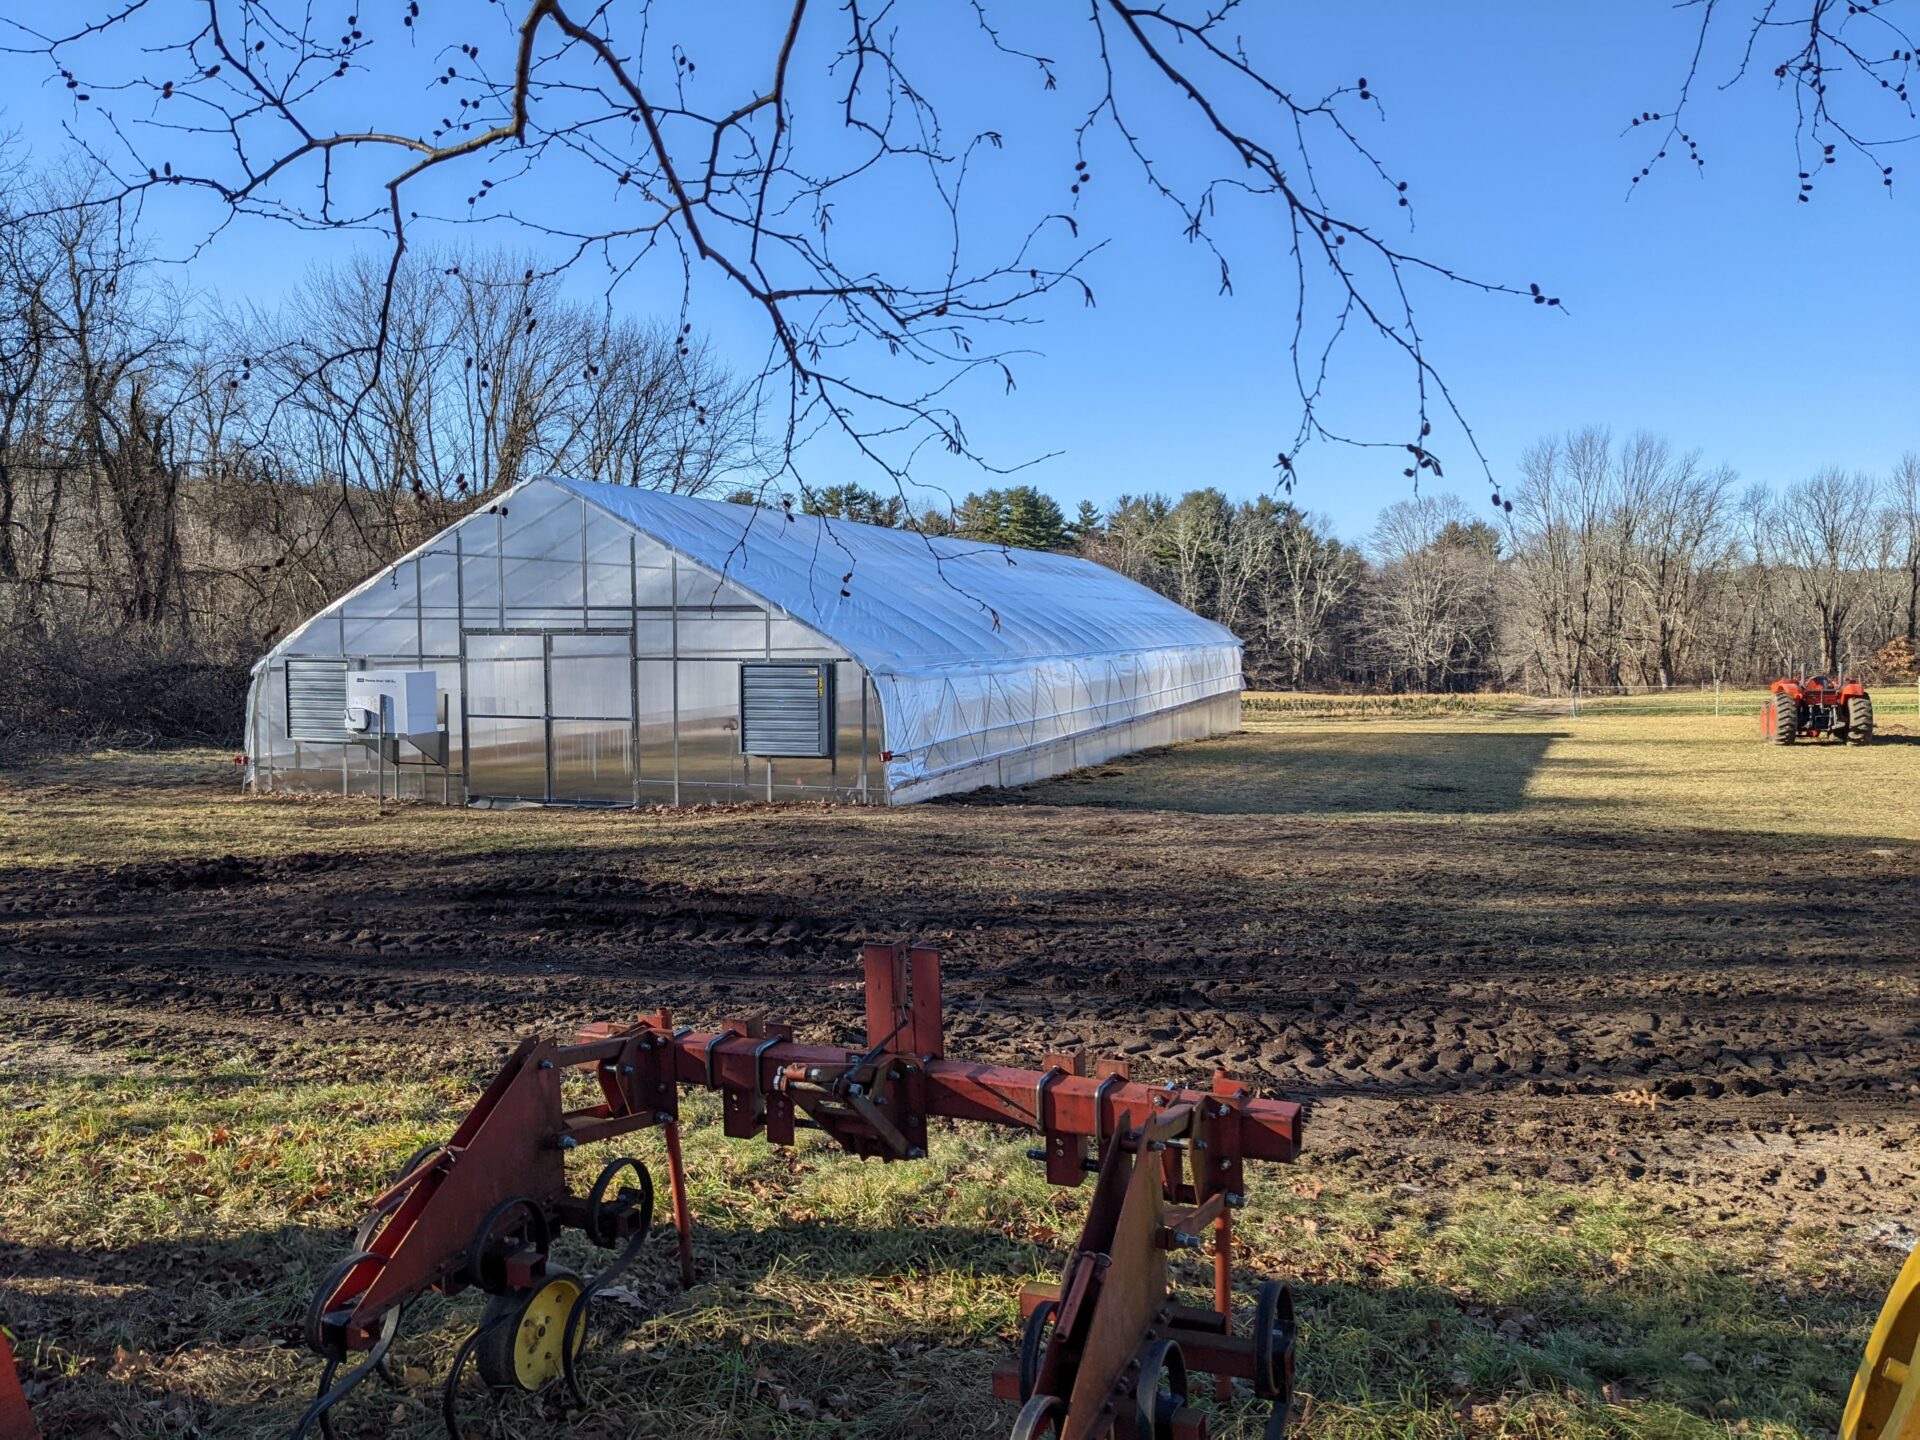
(1105, 1352)
(1817, 705)
(16, 1421)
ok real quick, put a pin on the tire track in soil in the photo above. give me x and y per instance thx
(1791, 1086)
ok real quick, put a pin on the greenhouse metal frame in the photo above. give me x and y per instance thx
(593, 644)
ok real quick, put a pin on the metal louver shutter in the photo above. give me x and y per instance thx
(786, 708)
(317, 700)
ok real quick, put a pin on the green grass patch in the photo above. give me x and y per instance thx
(163, 1230)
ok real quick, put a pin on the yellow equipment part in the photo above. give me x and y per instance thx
(1885, 1403)
(521, 1344)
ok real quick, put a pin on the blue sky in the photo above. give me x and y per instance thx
(1714, 309)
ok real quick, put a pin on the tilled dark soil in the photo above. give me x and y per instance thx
(1450, 997)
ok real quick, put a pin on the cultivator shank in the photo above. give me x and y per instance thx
(1105, 1352)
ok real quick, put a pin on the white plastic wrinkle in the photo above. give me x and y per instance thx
(977, 651)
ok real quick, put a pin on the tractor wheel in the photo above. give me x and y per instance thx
(1780, 720)
(1860, 719)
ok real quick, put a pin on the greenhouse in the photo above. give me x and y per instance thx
(577, 643)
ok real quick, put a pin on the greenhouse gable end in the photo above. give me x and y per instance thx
(579, 643)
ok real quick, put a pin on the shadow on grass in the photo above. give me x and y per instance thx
(905, 1323)
(1333, 772)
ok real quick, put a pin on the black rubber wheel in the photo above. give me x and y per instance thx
(1860, 719)
(522, 1336)
(1273, 1332)
(604, 1211)
(1041, 1415)
(1782, 713)
(494, 1241)
(312, 1330)
(1033, 1345)
(1161, 1392)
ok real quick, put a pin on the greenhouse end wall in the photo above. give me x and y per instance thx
(580, 663)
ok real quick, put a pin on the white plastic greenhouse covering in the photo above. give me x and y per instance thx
(986, 666)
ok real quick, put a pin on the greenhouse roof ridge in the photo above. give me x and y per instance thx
(903, 602)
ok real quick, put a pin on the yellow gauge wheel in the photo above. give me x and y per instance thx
(1885, 1403)
(522, 1334)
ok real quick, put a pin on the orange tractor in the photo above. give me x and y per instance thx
(1817, 705)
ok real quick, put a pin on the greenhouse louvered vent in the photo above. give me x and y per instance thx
(786, 709)
(593, 644)
(316, 699)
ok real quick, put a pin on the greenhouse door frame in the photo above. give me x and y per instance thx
(546, 634)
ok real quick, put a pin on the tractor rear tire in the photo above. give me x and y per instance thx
(1860, 719)
(1783, 713)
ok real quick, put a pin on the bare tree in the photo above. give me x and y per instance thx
(1314, 576)
(1677, 552)
(1562, 506)
(1839, 62)
(1825, 529)
(1903, 523)
(752, 177)
(27, 274)
(117, 345)
(1429, 606)
(1193, 543)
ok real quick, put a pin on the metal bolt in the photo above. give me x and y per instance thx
(1233, 1201)
(626, 1069)
(1038, 1154)
(1156, 1145)
(546, 1064)
(855, 1089)
(1226, 1164)
(914, 1152)
(568, 1142)
(663, 1117)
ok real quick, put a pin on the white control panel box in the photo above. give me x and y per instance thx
(410, 702)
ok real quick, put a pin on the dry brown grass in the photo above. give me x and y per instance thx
(172, 1184)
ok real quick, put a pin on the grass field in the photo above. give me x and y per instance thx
(1605, 1024)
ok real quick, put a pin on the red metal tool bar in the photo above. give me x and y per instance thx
(956, 1090)
(482, 1208)
(510, 1145)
